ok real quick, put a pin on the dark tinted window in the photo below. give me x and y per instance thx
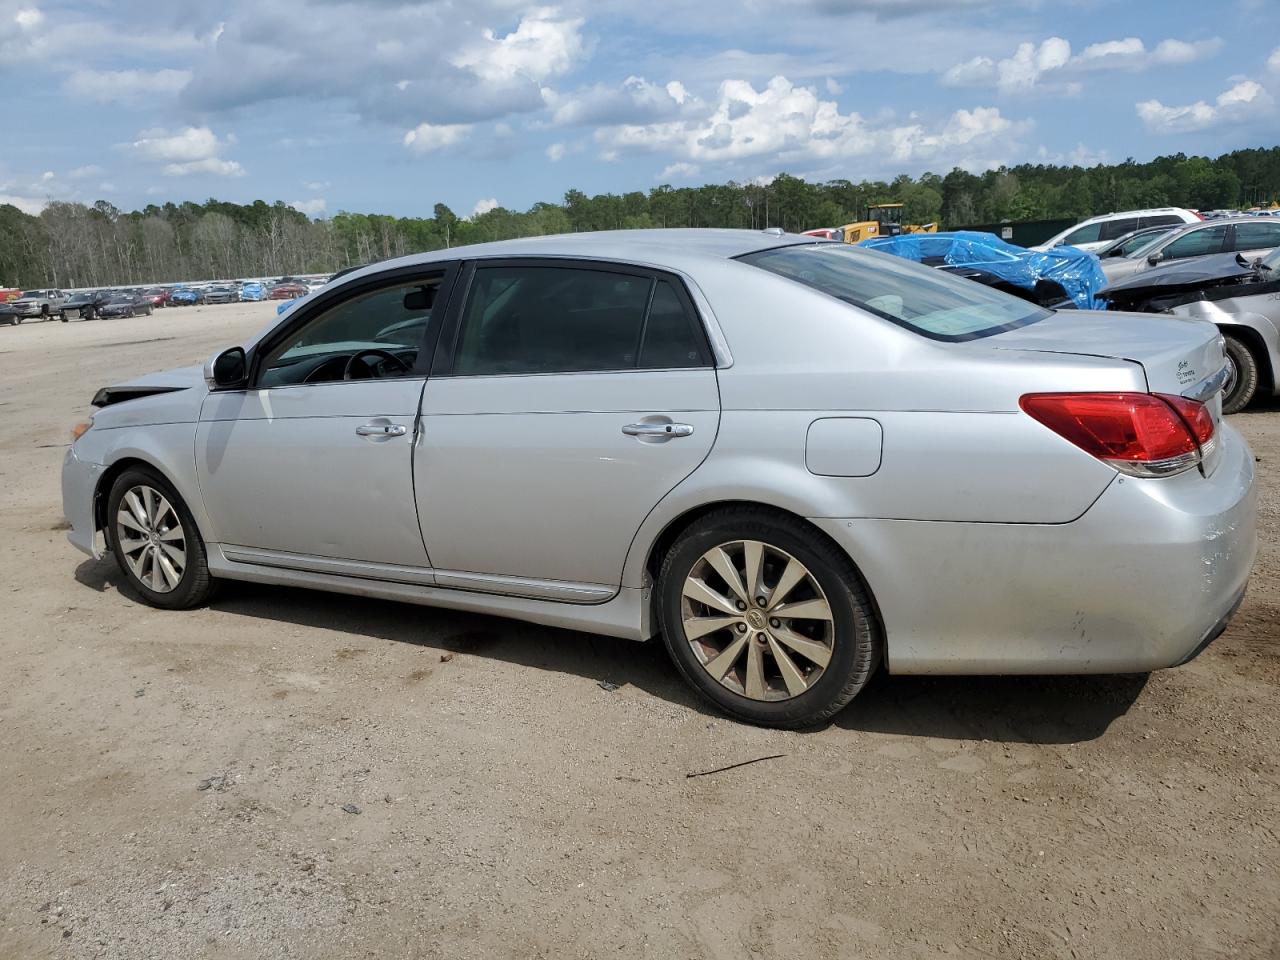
(1118, 228)
(1257, 236)
(670, 339)
(551, 320)
(1197, 243)
(1160, 220)
(1086, 234)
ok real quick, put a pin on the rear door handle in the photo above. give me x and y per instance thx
(381, 431)
(658, 431)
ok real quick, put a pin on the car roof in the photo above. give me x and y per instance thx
(672, 248)
(1134, 213)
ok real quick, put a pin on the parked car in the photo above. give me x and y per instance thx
(1240, 294)
(8, 316)
(1247, 235)
(83, 305)
(619, 436)
(1098, 231)
(252, 291)
(185, 297)
(221, 293)
(9, 294)
(288, 290)
(124, 303)
(157, 296)
(1135, 239)
(37, 303)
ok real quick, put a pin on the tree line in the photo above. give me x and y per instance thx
(72, 244)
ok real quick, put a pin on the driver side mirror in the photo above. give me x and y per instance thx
(228, 370)
(1155, 258)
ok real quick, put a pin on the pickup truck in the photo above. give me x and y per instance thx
(37, 303)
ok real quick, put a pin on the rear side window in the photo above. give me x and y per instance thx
(1113, 229)
(1257, 236)
(1160, 220)
(1089, 233)
(549, 319)
(929, 302)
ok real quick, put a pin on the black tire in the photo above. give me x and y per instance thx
(146, 311)
(1242, 388)
(63, 317)
(856, 638)
(17, 320)
(196, 583)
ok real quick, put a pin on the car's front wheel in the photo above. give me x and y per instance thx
(155, 541)
(767, 619)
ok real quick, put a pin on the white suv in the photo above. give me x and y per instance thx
(1096, 232)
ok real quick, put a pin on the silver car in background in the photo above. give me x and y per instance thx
(1250, 236)
(795, 460)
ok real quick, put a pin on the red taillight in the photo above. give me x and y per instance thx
(1141, 434)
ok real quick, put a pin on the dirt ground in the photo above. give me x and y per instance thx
(174, 784)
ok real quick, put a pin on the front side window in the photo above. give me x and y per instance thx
(1197, 243)
(551, 319)
(929, 302)
(375, 334)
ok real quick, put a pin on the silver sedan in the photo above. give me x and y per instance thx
(795, 460)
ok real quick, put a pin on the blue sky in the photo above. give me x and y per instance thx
(387, 106)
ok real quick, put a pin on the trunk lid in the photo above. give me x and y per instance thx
(1177, 354)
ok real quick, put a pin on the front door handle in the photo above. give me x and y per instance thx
(381, 431)
(658, 430)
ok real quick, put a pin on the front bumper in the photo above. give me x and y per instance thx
(1148, 576)
(79, 486)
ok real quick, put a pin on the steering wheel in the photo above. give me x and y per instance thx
(384, 355)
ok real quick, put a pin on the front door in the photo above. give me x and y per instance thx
(315, 459)
(571, 398)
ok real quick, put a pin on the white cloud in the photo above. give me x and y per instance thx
(313, 207)
(484, 206)
(28, 18)
(833, 86)
(89, 170)
(315, 185)
(427, 138)
(635, 99)
(1035, 66)
(192, 150)
(784, 123)
(29, 205)
(1244, 100)
(125, 86)
(556, 152)
(681, 170)
(543, 45)
(1273, 61)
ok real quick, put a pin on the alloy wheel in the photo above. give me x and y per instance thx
(151, 538)
(1233, 374)
(757, 620)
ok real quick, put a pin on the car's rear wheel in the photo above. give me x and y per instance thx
(155, 541)
(1242, 375)
(766, 618)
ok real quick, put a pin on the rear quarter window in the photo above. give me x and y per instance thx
(924, 300)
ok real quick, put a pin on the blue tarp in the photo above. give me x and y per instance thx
(1075, 270)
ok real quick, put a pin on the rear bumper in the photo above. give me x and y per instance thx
(1145, 579)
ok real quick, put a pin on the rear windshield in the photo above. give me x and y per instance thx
(927, 301)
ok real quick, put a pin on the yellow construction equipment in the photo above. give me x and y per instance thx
(883, 220)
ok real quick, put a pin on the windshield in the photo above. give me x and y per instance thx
(1272, 260)
(929, 302)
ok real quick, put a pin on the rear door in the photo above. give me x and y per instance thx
(567, 398)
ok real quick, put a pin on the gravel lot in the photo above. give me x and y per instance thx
(178, 784)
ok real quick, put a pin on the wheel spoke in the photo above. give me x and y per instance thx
(163, 510)
(127, 519)
(793, 574)
(132, 544)
(720, 561)
(172, 534)
(695, 627)
(696, 589)
(157, 577)
(174, 555)
(149, 498)
(168, 571)
(815, 609)
(818, 653)
(138, 564)
(139, 510)
(753, 551)
(791, 675)
(723, 662)
(755, 672)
